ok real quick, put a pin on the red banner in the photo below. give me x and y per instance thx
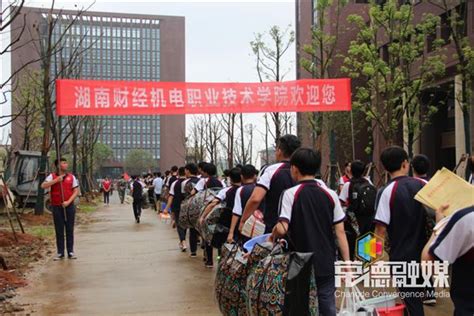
(97, 97)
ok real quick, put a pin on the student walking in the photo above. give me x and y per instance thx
(137, 194)
(191, 172)
(273, 181)
(106, 187)
(64, 188)
(242, 195)
(209, 180)
(455, 244)
(157, 189)
(227, 196)
(308, 214)
(358, 196)
(403, 218)
(174, 204)
(121, 188)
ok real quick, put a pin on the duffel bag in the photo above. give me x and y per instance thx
(283, 283)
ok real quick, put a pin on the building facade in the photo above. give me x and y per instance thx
(443, 139)
(129, 47)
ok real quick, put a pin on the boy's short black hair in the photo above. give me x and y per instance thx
(226, 172)
(307, 160)
(210, 169)
(239, 166)
(357, 168)
(421, 164)
(181, 171)
(201, 165)
(393, 157)
(158, 174)
(234, 175)
(174, 169)
(248, 171)
(167, 173)
(56, 162)
(288, 144)
(192, 168)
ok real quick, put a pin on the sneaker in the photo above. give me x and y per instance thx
(193, 255)
(429, 301)
(209, 265)
(71, 256)
(58, 257)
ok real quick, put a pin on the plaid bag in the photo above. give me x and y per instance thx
(231, 277)
(210, 223)
(272, 290)
(192, 208)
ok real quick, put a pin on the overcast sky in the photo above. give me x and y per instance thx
(218, 34)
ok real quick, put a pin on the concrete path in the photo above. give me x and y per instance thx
(124, 268)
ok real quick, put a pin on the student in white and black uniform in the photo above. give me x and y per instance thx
(242, 195)
(308, 214)
(175, 198)
(455, 244)
(208, 180)
(421, 167)
(403, 218)
(274, 179)
(172, 177)
(227, 196)
(187, 187)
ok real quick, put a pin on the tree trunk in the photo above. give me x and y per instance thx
(74, 150)
(332, 158)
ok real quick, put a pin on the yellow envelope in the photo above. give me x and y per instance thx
(446, 188)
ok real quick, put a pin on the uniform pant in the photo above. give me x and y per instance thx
(412, 298)
(326, 295)
(181, 231)
(106, 197)
(193, 238)
(121, 195)
(137, 208)
(64, 220)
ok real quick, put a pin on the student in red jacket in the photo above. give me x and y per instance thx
(64, 188)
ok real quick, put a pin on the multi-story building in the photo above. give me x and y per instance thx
(117, 47)
(443, 139)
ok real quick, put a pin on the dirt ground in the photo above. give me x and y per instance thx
(28, 250)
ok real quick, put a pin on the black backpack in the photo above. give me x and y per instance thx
(362, 196)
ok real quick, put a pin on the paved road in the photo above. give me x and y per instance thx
(132, 269)
(124, 268)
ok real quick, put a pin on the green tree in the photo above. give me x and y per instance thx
(138, 161)
(388, 55)
(102, 153)
(28, 113)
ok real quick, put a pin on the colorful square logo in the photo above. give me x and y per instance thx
(369, 247)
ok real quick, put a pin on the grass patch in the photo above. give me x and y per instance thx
(42, 231)
(87, 208)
